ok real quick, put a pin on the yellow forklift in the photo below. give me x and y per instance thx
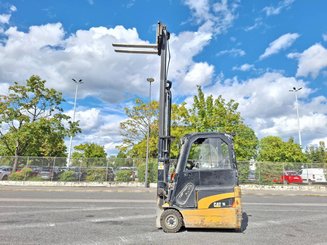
(203, 190)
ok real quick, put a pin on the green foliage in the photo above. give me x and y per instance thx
(89, 150)
(268, 171)
(35, 178)
(35, 120)
(135, 128)
(24, 174)
(243, 171)
(152, 172)
(274, 149)
(96, 175)
(67, 176)
(207, 114)
(124, 175)
(317, 153)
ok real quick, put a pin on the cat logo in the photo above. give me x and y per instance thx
(217, 204)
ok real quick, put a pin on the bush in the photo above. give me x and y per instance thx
(67, 176)
(16, 176)
(24, 174)
(152, 172)
(97, 175)
(35, 178)
(124, 175)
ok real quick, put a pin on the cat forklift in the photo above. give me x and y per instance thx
(202, 190)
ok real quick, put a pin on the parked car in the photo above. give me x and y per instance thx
(79, 173)
(49, 173)
(313, 175)
(5, 171)
(289, 177)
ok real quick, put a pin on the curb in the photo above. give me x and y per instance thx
(313, 188)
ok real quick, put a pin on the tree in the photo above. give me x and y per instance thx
(134, 129)
(206, 114)
(32, 120)
(274, 149)
(317, 153)
(89, 150)
(209, 114)
(89, 154)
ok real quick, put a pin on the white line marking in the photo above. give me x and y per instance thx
(76, 200)
(287, 204)
(69, 210)
(123, 218)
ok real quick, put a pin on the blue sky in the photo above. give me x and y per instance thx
(250, 51)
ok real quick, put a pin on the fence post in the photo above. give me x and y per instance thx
(107, 169)
(53, 168)
(259, 173)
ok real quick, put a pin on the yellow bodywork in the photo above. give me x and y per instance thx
(205, 217)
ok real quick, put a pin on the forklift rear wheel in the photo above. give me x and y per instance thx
(171, 221)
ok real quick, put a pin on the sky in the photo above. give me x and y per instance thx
(251, 51)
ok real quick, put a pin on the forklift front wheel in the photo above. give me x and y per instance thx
(171, 221)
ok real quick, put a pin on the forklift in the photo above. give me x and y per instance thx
(202, 190)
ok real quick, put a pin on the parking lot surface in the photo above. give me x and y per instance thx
(127, 216)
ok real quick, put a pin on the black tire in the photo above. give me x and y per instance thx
(171, 221)
(5, 177)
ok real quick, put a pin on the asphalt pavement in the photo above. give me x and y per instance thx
(43, 215)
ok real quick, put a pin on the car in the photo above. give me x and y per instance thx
(289, 177)
(5, 171)
(313, 175)
(49, 173)
(80, 173)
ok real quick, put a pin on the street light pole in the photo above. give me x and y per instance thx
(150, 80)
(74, 112)
(295, 90)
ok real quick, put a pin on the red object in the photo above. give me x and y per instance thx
(289, 177)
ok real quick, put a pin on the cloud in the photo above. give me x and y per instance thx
(216, 17)
(244, 67)
(268, 107)
(232, 52)
(13, 8)
(283, 42)
(311, 61)
(257, 23)
(4, 18)
(276, 10)
(89, 55)
(98, 127)
(324, 37)
(4, 88)
(199, 74)
(108, 76)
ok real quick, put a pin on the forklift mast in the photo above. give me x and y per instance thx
(164, 113)
(161, 49)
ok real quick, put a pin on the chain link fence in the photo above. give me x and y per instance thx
(131, 169)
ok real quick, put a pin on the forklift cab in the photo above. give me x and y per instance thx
(204, 191)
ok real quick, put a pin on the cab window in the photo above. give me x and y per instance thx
(208, 153)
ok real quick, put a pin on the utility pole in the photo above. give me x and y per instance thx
(74, 112)
(295, 90)
(150, 80)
